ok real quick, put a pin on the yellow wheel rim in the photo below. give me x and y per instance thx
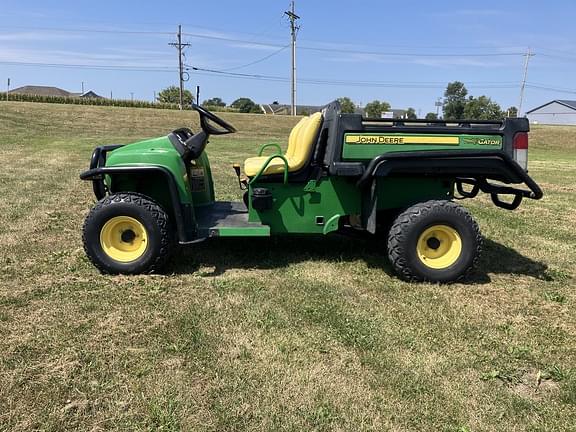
(123, 239)
(439, 246)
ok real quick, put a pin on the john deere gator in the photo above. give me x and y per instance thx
(397, 179)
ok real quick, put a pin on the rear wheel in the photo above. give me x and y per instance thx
(435, 241)
(127, 233)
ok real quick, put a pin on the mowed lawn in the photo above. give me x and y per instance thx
(273, 334)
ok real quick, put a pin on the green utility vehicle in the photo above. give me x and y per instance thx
(340, 173)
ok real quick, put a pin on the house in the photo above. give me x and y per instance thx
(51, 92)
(40, 91)
(87, 94)
(556, 112)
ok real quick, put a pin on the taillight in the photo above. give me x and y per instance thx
(521, 149)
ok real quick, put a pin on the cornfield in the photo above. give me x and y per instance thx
(100, 102)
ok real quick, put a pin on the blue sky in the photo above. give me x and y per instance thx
(403, 53)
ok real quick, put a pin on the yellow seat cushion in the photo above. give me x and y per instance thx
(300, 145)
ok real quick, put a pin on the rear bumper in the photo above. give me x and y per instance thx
(474, 168)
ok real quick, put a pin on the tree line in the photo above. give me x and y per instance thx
(457, 105)
(171, 95)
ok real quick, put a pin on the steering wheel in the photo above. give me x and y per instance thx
(206, 115)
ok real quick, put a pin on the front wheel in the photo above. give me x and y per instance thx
(434, 241)
(127, 233)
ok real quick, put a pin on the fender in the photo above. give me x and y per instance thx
(96, 175)
(477, 166)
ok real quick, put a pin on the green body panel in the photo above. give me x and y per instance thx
(259, 231)
(156, 152)
(315, 207)
(295, 210)
(399, 192)
(200, 180)
(360, 146)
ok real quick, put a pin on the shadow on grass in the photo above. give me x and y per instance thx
(499, 259)
(278, 252)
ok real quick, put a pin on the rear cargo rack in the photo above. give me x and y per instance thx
(373, 124)
(438, 122)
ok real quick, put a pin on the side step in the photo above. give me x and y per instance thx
(228, 219)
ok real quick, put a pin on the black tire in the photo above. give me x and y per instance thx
(157, 243)
(413, 242)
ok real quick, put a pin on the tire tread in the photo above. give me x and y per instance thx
(399, 229)
(157, 213)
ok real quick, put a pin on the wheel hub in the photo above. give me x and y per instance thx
(128, 236)
(124, 239)
(433, 243)
(439, 246)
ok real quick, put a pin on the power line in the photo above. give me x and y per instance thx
(276, 45)
(556, 50)
(350, 51)
(387, 84)
(256, 61)
(416, 54)
(213, 72)
(557, 57)
(568, 55)
(550, 88)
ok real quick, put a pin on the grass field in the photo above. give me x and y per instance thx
(280, 334)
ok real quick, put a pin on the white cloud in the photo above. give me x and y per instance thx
(457, 61)
(470, 13)
(439, 62)
(243, 45)
(75, 57)
(37, 36)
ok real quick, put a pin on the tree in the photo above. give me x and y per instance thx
(482, 108)
(245, 105)
(375, 108)
(455, 101)
(411, 114)
(512, 112)
(214, 102)
(172, 95)
(431, 116)
(347, 105)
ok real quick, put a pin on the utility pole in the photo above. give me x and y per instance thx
(527, 56)
(7, 89)
(294, 31)
(180, 47)
(438, 104)
(132, 96)
(82, 87)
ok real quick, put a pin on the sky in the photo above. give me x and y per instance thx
(402, 53)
